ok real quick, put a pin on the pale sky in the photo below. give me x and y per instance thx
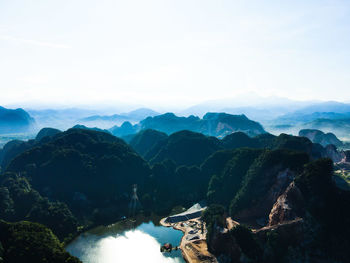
(160, 52)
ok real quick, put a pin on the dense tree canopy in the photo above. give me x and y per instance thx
(82, 177)
(31, 242)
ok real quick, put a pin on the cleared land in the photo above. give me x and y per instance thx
(193, 243)
(342, 178)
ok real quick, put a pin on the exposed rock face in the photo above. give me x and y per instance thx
(222, 124)
(288, 206)
(290, 231)
(261, 211)
(331, 152)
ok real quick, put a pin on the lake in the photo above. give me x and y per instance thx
(113, 244)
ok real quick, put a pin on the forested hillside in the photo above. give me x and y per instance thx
(72, 180)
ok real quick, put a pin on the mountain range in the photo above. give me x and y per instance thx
(82, 178)
(213, 124)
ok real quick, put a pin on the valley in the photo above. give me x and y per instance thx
(258, 187)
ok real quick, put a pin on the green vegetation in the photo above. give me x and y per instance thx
(238, 140)
(263, 174)
(86, 175)
(329, 206)
(79, 178)
(31, 242)
(12, 149)
(82, 168)
(342, 178)
(247, 242)
(143, 141)
(186, 148)
(214, 218)
(223, 188)
(15, 147)
(18, 201)
(46, 132)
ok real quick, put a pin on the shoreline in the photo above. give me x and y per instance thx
(193, 247)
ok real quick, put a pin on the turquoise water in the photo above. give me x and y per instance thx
(142, 244)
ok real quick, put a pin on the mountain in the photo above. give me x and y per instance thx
(297, 117)
(283, 141)
(170, 123)
(247, 104)
(85, 169)
(140, 114)
(144, 140)
(222, 124)
(20, 201)
(15, 121)
(46, 132)
(328, 106)
(327, 110)
(184, 148)
(212, 124)
(16, 147)
(110, 118)
(59, 118)
(125, 129)
(31, 242)
(340, 127)
(90, 150)
(135, 115)
(12, 149)
(317, 136)
(220, 175)
(105, 121)
(83, 178)
(261, 114)
(83, 127)
(312, 117)
(190, 148)
(296, 203)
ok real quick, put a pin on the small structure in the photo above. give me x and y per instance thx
(134, 203)
(193, 212)
(167, 247)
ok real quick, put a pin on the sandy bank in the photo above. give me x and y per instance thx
(193, 243)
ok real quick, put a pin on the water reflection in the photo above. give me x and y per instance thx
(139, 245)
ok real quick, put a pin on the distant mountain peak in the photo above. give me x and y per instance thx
(15, 121)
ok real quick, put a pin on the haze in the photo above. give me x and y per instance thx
(172, 53)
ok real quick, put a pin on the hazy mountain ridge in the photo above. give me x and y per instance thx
(320, 137)
(326, 116)
(109, 120)
(83, 176)
(15, 121)
(213, 124)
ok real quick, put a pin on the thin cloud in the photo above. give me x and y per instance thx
(35, 42)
